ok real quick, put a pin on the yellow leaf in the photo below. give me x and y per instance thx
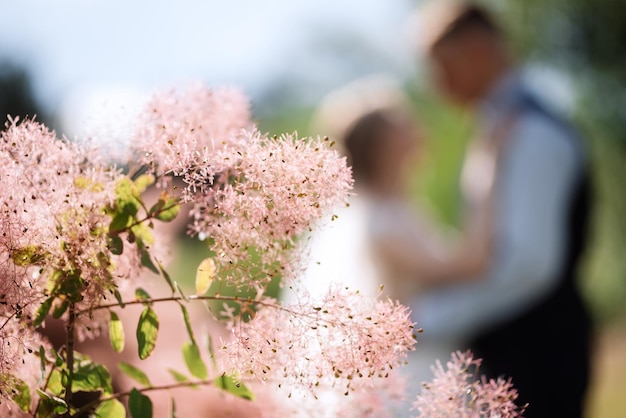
(204, 276)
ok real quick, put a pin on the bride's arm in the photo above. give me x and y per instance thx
(410, 246)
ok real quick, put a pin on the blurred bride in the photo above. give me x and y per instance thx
(381, 240)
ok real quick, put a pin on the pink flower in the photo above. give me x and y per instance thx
(54, 223)
(20, 294)
(378, 399)
(252, 195)
(19, 362)
(256, 199)
(178, 128)
(343, 341)
(454, 392)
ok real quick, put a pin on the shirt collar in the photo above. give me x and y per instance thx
(502, 95)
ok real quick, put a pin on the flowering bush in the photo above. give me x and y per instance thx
(78, 235)
(455, 392)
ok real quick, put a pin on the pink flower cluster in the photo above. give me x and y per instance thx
(18, 360)
(252, 198)
(49, 210)
(19, 298)
(53, 202)
(344, 341)
(380, 399)
(252, 194)
(54, 241)
(178, 129)
(455, 392)
(263, 196)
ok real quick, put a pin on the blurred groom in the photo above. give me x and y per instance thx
(525, 182)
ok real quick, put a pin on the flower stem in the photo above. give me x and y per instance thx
(69, 357)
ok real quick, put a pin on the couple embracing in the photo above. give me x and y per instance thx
(506, 287)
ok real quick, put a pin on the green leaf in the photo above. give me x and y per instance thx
(166, 276)
(146, 260)
(104, 261)
(205, 273)
(60, 309)
(26, 256)
(188, 323)
(90, 376)
(179, 377)
(118, 298)
(143, 233)
(116, 333)
(111, 408)
(42, 361)
(119, 222)
(139, 405)
(58, 359)
(87, 184)
(115, 244)
(165, 209)
(134, 373)
(128, 196)
(43, 311)
(143, 182)
(147, 330)
(57, 405)
(169, 211)
(71, 285)
(141, 294)
(21, 395)
(156, 207)
(194, 361)
(55, 382)
(230, 385)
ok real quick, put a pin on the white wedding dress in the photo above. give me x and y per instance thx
(346, 251)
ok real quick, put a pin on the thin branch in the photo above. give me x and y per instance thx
(119, 395)
(247, 301)
(148, 216)
(69, 356)
(192, 298)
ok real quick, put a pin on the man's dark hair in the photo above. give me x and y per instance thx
(468, 16)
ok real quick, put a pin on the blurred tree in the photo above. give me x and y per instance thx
(16, 93)
(329, 58)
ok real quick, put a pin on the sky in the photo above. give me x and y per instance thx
(86, 56)
(94, 62)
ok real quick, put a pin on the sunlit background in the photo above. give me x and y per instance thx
(89, 58)
(85, 66)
